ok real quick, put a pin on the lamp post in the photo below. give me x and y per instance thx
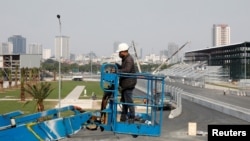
(91, 64)
(245, 54)
(59, 68)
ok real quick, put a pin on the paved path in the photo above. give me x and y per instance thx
(75, 93)
(73, 99)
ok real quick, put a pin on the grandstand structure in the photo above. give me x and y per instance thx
(234, 59)
(195, 74)
(220, 64)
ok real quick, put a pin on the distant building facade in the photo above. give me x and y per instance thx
(46, 53)
(6, 48)
(62, 48)
(152, 58)
(172, 48)
(14, 61)
(221, 34)
(234, 58)
(19, 44)
(35, 48)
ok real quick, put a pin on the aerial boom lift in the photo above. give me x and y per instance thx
(149, 121)
(48, 125)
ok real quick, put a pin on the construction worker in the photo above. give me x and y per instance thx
(127, 84)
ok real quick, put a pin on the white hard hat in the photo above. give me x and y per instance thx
(122, 47)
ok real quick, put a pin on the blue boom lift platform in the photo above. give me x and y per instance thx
(48, 125)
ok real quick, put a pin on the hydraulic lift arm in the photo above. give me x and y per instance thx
(42, 125)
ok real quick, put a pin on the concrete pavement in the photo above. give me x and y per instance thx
(73, 99)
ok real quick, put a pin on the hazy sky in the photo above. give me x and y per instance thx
(94, 25)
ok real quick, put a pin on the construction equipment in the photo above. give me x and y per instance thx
(149, 121)
(159, 67)
(45, 125)
(48, 125)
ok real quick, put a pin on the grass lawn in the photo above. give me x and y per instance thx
(10, 106)
(67, 87)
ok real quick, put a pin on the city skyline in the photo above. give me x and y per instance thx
(97, 25)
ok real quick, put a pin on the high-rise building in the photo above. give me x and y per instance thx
(46, 53)
(19, 44)
(35, 48)
(221, 34)
(6, 48)
(62, 48)
(172, 48)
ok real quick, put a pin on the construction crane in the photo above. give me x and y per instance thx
(49, 126)
(159, 67)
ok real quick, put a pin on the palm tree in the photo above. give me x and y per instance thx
(9, 77)
(54, 75)
(35, 75)
(39, 92)
(26, 74)
(1, 80)
(22, 91)
(16, 76)
(30, 75)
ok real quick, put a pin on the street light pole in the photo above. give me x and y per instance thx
(245, 54)
(91, 64)
(59, 71)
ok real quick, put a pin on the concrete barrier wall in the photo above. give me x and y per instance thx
(236, 111)
(239, 112)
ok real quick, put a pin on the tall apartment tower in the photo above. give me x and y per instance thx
(221, 34)
(46, 53)
(19, 44)
(62, 48)
(35, 48)
(172, 48)
(6, 48)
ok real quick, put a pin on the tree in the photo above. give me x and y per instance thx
(22, 91)
(26, 74)
(9, 73)
(54, 75)
(30, 75)
(34, 75)
(1, 80)
(16, 76)
(39, 92)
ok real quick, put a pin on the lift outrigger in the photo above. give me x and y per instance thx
(48, 125)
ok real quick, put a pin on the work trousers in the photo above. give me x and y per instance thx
(127, 97)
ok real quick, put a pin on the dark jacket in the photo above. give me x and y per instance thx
(127, 66)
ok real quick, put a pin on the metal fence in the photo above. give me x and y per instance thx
(175, 94)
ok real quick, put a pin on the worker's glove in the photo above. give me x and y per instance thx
(112, 70)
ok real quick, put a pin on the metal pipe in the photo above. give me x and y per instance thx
(59, 71)
(158, 68)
